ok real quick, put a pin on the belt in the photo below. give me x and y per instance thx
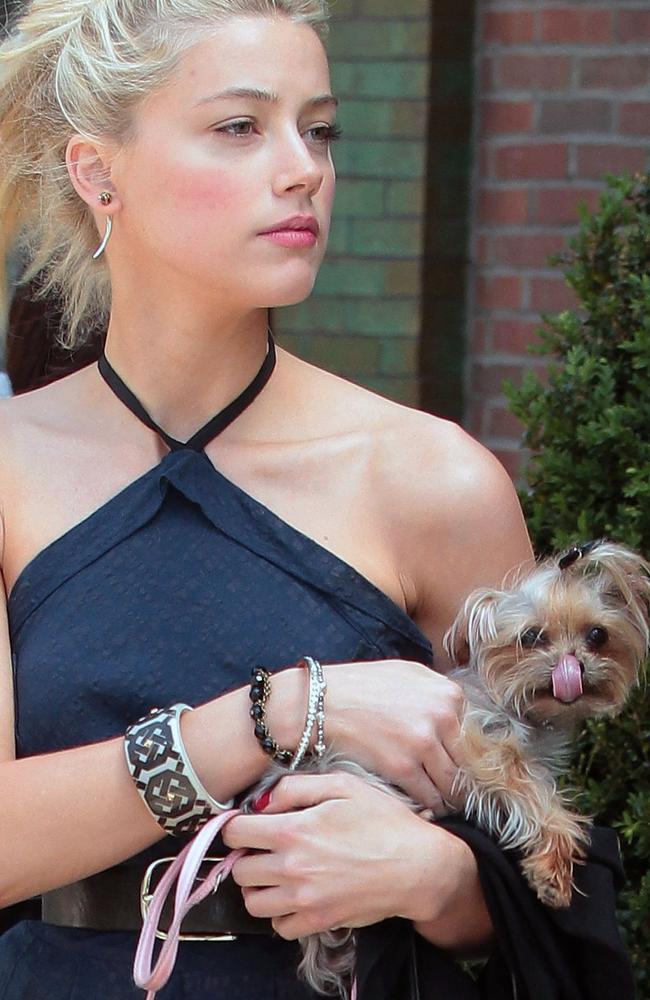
(117, 900)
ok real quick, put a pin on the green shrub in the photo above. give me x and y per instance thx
(587, 428)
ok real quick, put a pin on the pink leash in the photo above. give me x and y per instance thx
(184, 868)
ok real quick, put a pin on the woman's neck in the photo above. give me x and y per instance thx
(186, 368)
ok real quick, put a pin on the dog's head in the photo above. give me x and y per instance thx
(568, 641)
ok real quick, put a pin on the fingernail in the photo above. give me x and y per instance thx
(259, 805)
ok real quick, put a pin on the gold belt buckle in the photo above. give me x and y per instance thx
(146, 895)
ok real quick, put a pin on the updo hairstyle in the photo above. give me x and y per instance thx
(84, 66)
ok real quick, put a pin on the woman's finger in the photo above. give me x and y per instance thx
(300, 791)
(441, 769)
(257, 870)
(261, 833)
(419, 787)
(271, 902)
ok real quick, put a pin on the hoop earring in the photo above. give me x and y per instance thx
(106, 198)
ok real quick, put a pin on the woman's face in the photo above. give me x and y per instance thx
(214, 166)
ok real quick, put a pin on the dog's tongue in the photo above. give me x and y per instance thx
(567, 679)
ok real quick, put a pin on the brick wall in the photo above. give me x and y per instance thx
(363, 318)
(562, 97)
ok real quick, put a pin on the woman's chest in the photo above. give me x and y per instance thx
(327, 491)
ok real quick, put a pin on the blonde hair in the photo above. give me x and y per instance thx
(80, 66)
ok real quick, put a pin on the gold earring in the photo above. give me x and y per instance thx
(105, 198)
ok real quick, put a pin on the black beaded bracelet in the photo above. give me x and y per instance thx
(259, 693)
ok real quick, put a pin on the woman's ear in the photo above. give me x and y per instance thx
(474, 624)
(89, 167)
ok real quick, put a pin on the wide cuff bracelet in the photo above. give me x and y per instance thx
(162, 772)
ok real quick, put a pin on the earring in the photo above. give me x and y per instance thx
(105, 198)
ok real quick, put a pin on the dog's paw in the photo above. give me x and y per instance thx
(550, 875)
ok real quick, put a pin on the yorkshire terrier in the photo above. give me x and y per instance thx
(567, 641)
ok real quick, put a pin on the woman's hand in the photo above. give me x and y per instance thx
(400, 720)
(338, 852)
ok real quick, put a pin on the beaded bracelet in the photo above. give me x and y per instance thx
(162, 772)
(259, 694)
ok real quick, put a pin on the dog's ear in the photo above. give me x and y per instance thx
(625, 577)
(474, 624)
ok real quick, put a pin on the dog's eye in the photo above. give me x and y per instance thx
(531, 636)
(597, 637)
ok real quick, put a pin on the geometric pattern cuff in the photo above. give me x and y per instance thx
(159, 765)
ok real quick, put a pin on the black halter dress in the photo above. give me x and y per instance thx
(172, 591)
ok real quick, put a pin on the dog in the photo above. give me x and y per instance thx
(562, 643)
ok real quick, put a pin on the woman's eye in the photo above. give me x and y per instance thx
(240, 128)
(326, 133)
(531, 637)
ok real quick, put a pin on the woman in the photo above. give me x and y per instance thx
(147, 565)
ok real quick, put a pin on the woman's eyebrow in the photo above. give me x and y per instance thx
(255, 94)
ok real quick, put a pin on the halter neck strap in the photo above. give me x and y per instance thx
(215, 425)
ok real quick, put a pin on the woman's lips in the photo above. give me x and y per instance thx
(291, 237)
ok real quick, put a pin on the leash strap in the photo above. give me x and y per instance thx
(152, 976)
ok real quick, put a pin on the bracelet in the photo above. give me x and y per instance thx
(168, 784)
(259, 694)
(315, 712)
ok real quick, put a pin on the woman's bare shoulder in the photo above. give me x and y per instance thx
(28, 423)
(436, 452)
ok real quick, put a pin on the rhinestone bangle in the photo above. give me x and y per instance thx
(315, 712)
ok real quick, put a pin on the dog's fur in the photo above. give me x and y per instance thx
(515, 731)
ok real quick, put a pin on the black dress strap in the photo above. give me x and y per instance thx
(215, 425)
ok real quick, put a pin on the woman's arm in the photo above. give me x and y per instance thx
(457, 526)
(469, 525)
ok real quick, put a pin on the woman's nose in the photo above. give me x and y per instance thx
(298, 167)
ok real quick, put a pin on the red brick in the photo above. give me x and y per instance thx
(590, 115)
(559, 206)
(487, 74)
(503, 424)
(488, 379)
(550, 295)
(596, 161)
(534, 160)
(500, 292)
(605, 72)
(570, 24)
(511, 460)
(512, 27)
(506, 206)
(479, 336)
(534, 72)
(635, 118)
(527, 249)
(498, 117)
(474, 419)
(634, 25)
(483, 249)
(485, 160)
(512, 335)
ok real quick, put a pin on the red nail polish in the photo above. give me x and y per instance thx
(259, 805)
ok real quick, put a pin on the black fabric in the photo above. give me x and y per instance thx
(540, 954)
(215, 425)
